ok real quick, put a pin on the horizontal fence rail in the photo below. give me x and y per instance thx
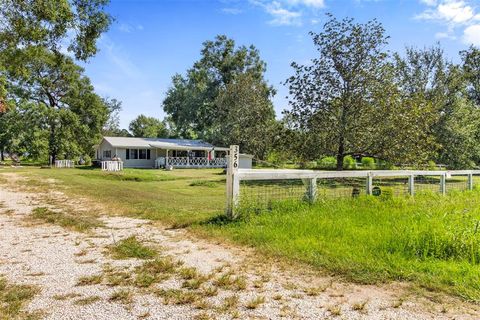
(112, 165)
(259, 187)
(64, 164)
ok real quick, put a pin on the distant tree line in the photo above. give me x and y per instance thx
(354, 99)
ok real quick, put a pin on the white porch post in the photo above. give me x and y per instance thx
(166, 158)
(208, 157)
(188, 158)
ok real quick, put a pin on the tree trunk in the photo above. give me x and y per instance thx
(52, 146)
(2, 157)
(340, 153)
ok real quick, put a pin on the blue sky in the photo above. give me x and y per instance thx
(151, 40)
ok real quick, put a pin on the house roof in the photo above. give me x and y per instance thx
(173, 144)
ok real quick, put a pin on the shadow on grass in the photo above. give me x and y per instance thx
(218, 220)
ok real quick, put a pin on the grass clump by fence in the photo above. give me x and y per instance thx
(431, 240)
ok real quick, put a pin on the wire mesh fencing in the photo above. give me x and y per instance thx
(263, 188)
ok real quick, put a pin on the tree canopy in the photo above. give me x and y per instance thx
(356, 98)
(200, 103)
(49, 92)
(148, 127)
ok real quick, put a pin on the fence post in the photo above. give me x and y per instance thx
(369, 183)
(233, 182)
(311, 189)
(443, 184)
(411, 185)
(470, 181)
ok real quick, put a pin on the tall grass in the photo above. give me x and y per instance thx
(430, 239)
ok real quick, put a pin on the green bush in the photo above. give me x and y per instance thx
(276, 158)
(88, 160)
(349, 162)
(368, 163)
(327, 163)
(384, 165)
(308, 165)
(432, 165)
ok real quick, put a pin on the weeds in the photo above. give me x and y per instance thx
(124, 296)
(255, 302)
(87, 300)
(131, 248)
(90, 280)
(178, 297)
(13, 298)
(74, 222)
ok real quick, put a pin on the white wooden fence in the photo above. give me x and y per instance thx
(112, 165)
(310, 177)
(64, 164)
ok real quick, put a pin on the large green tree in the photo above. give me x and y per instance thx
(246, 115)
(42, 80)
(331, 98)
(72, 113)
(148, 127)
(424, 75)
(471, 69)
(193, 103)
(74, 25)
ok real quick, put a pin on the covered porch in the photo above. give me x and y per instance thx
(181, 157)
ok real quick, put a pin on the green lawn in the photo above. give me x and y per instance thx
(431, 240)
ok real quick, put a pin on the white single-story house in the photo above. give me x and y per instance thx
(160, 153)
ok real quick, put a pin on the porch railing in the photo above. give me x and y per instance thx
(184, 162)
(112, 165)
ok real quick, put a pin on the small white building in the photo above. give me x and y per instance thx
(245, 161)
(159, 153)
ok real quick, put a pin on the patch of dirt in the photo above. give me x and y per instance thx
(54, 259)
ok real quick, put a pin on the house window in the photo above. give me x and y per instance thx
(107, 153)
(134, 154)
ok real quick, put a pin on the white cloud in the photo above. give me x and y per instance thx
(454, 15)
(307, 3)
(430, 3)
(233, 11)
(128, 28)
(471, 35)
(119, 58)
(282, 16)
(445, 35)
(449, 11)
(290, 12)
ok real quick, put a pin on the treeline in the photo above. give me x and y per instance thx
(354, 99)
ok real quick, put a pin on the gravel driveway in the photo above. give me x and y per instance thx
(54, 259)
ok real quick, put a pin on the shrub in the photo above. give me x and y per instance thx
(349, 162)
(384, 165)
(276, 158)
(368, 163)
(308, 165)
(88, 160)
(327, 163)
(432, 165)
